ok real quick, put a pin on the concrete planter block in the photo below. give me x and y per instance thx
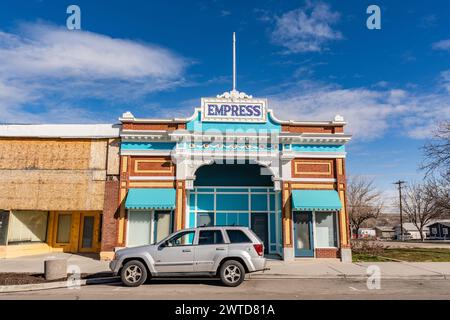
(346, 255)
(55, 269)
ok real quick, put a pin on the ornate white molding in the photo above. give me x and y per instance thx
(234, 95)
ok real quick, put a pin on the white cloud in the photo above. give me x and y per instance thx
(445, 80)
(442, 45)
(306, 29)
(369, 112)
(47, 65)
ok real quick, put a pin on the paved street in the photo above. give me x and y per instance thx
(301, 269)
(252, 289)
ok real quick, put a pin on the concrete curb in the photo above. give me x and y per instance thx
(55, 285)
(344, 277)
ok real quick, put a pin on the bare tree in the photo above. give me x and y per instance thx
(437, 152)
(421, 204)
(439, 190)
(364, 201)
(436, 165)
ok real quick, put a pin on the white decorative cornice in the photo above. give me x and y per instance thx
(234, 95)
(127, 116)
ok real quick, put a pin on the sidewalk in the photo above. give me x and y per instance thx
(298, 269)
(87, 263)
(334, 269)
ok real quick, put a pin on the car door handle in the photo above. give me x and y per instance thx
(186, 250)
(220, 249)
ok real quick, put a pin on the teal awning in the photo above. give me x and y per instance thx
(140, 198)
(316, 200)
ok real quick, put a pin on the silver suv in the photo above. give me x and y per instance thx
(227, 252)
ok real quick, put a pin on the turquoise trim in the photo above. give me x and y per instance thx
(315, 148)
(273, 230)
(216, 146)
(198, 126)
(316, 200)
(191, 219)
(147, 145)
(150, 199)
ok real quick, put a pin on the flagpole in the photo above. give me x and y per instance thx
(234, 61)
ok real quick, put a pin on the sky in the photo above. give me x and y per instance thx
(311, 59)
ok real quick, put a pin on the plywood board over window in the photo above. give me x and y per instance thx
(313, 168)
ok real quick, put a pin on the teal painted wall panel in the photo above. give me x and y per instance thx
(259, 202)
(205, 202)
(235, 202)
(273, 228)
(147, 145)
(191, 200)
(232, 219)
(221, 219)
(191, 219)
(317, 148)
(243, 219)
(272, 202)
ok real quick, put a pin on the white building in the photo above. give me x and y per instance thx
(410, 231)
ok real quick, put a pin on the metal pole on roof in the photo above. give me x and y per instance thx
(234, 61)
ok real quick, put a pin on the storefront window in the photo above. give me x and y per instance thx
(205, 219)
(4, 222)
(27, 226)
(163, 224)
(64, 227)
(326, 233)
(139, 226)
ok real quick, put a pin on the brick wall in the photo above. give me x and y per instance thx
(110, 210)
(327, 253)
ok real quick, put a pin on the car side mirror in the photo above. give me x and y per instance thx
(162, 245)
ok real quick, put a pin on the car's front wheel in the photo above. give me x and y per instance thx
(134, 273)
(232, 273)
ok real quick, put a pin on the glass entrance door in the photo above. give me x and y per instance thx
(260, 227)
(89, 228)
(303, 234)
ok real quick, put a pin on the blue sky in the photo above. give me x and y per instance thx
(311, 59)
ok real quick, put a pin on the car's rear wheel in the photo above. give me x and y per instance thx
(232, 273)
(134, 273)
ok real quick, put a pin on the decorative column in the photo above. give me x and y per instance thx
(124, 169)
(180, 206)
(344, 233)
(286, 200)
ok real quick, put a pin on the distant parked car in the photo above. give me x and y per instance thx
(225, 252)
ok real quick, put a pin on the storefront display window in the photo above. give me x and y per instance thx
(27, 226)
(64, 227)
(326, 233)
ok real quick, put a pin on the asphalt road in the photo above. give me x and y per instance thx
(251, 289)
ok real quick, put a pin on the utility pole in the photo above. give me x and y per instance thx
(399, 183)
